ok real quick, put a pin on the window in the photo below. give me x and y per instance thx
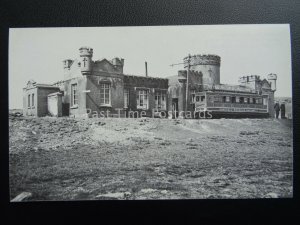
(202, 98)
(197, 98)
(105, 94)
(193, 92)
(245, 100)
(237, 99)
(241, 99)
(28, 101)
(32, 99)
(217, 98)
(259, 101)
(233, 99)
(126, 98)
(265, 101)
(160, 100)
(224, 98)
(74, 95)
(142, 99)
(251, 100)
(227, 98)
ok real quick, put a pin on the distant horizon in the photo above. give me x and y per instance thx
(37, 53)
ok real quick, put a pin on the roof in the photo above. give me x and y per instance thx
(230, 88)
(144, 77)
(32, 84)
(55, 93)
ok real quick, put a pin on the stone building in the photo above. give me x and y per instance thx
(100, 88)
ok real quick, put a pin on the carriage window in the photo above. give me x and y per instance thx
(241, 99)
(227, 98)
(233, 99)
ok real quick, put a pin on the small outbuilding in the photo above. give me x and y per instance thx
(55, 104)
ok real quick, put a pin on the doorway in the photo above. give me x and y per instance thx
(175, 108)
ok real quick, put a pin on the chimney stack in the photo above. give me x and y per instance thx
(146, 69)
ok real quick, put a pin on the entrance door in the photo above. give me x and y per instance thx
(65, 109)
(174, 108)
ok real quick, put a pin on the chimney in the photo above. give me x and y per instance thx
(146, 69)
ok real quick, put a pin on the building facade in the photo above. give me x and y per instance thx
(100, 88)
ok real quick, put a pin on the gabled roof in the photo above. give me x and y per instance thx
(103, 59)
(32, 84)
(265, 84)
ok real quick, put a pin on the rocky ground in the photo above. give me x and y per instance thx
(112, 158)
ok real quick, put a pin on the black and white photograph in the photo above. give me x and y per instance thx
(150, 112)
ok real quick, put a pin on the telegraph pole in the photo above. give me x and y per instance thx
(187, 83)
(187, 86)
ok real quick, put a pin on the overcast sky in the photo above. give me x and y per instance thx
(37, 53)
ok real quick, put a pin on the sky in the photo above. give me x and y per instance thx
(37, 53)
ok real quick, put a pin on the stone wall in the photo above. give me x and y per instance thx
(80, 108)
(116, 94)
(136, 83)
(31, 110)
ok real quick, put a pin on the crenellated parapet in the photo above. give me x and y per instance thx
(86, 63)
(250, 78)
(86, 51)
(203, 60)
(272, 76)
(141, 81)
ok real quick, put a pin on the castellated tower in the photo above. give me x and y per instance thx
(86, 63)
(272, 80)
(208, 65)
